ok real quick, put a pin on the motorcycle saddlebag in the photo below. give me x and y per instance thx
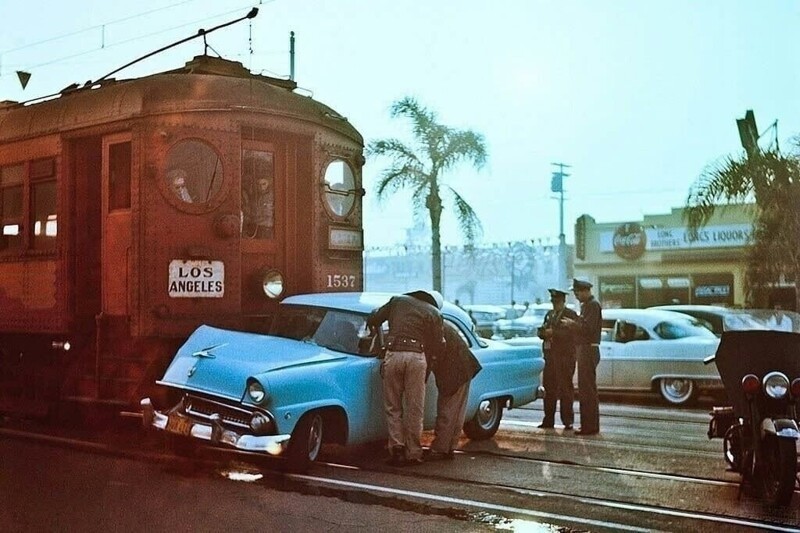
(722, 418)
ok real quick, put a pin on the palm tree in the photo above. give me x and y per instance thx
(772, 181)
(420, 168)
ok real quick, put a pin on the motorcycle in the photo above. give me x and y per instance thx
(759, 363)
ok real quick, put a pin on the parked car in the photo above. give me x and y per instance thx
(653, 349)
(526, 325)
(484, 317)
(316, 378)
(713, 316)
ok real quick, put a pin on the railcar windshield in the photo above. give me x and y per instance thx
(337, 330)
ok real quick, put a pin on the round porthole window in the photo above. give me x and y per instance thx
(194, 172)
(339, 188)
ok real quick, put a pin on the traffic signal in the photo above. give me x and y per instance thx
(748, 133)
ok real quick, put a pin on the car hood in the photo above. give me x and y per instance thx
(219, 361)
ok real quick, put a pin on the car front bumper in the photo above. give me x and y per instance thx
(213, 432)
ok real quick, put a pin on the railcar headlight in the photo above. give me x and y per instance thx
(776, 385)
(272, 283)
(256, 392)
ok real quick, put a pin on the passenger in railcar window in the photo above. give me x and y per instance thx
(258, 209)
(177, 178)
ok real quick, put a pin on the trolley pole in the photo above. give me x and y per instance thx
(557, 186)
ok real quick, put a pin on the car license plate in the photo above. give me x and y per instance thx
(179, 425)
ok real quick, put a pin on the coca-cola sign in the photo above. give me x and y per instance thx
(630, 241)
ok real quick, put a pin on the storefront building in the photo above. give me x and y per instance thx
(654, 261)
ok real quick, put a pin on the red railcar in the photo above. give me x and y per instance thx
(131, 211)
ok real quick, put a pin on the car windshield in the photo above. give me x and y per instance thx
(762, 319)
(333, 329)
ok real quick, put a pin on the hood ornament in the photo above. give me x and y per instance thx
(201, 354)
(206, 352)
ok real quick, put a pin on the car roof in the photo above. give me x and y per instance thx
(694, 307)
(484, 308)
(362, 302)
(646, 316)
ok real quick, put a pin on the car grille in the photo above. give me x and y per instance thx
(203, 408)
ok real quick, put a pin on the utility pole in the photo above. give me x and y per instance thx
(557, 186)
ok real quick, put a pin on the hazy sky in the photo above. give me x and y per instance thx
(637, 96)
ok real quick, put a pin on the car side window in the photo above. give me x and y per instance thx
(460, 332)
(670, 330)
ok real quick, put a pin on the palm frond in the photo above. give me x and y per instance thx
(468, 221)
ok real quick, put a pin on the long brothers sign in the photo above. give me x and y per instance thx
(659, 239)
(196, 279)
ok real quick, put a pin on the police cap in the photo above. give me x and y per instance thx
(578, 284)
(557, 293)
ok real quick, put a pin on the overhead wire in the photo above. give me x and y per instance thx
(125, 41)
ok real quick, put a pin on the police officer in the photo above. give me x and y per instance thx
(587, 328)
(413, 344)
(559, 361)
(453, 373)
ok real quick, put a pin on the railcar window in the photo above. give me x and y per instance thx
(11, 206)
(45, 220)
(339, 186)
(194, 171)
(258, 194)
(119, 176)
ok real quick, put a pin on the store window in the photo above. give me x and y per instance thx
(712, 289)
(618, 292)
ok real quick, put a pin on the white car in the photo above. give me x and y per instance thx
(650, 349)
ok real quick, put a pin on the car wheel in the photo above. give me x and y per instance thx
(677, 391)
(484, 424)
(305, 443)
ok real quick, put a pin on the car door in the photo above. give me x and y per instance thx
(636, 357)
(608, 352)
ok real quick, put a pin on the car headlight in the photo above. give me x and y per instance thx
(776, 385)
(256, 391)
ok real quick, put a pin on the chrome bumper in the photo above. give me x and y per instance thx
(216, 433)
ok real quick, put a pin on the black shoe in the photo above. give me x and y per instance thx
(567, 427)
(439, 456)
(397, 456)
(582, 431)
(545, 425)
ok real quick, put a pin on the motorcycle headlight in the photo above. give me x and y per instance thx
(776, 385)
(256, 392)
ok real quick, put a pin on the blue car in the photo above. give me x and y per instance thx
(316, 378)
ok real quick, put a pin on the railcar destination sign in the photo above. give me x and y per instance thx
(196, 279)
(660, 239)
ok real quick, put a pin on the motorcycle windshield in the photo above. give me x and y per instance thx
(751, 344)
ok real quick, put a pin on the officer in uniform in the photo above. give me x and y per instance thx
(587, 328)
(453, 373)
(559, 361)
(413, 345)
